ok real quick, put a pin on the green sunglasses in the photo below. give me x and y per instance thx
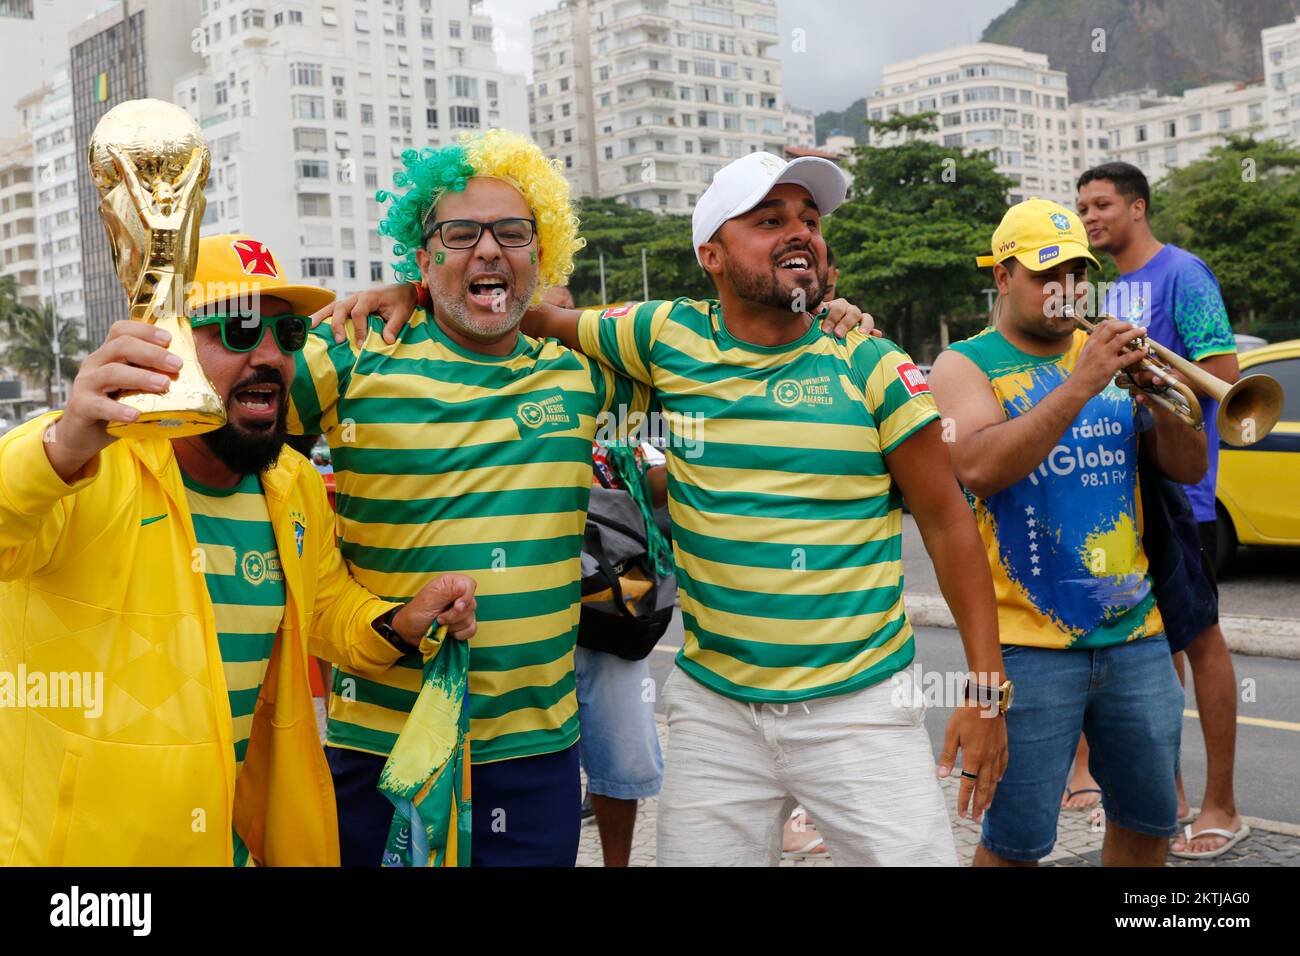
(243, 331)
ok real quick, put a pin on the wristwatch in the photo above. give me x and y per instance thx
(384, 628)
(984, 696)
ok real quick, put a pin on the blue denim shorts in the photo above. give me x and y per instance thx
(1127, 700)
(616, 712)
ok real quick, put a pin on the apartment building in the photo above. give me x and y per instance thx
(18, 256)
(35, 36)
(308, 106)
(58, 229)
(997, 99)
(800, 128)
(644, 100)
(131, 49)
(1169, 131)
(1281, 48)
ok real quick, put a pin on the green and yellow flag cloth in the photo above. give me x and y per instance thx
(427, 773)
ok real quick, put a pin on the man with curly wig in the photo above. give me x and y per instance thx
(462, 444)
(797, 680)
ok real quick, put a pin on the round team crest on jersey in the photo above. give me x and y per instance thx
(788, 392)
(253, 567)
(531, 414)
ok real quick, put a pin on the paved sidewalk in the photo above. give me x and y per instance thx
(1078, 842)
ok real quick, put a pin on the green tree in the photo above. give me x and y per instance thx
(621, 232)
(27, 344)
(8, 296)
(905, 241)
(1239, 210)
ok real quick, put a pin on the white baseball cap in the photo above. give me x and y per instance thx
(741, 185)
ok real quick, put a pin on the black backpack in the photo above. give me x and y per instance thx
(1187, 598)
(627, 603)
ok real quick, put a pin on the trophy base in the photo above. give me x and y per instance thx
(190, 406)
(167, 425)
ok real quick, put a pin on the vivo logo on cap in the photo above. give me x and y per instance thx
(1048, 254)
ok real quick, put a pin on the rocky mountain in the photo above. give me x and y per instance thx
(851, 121)
(1166, 44)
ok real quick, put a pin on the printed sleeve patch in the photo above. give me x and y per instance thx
(913, 378)
(618, 311)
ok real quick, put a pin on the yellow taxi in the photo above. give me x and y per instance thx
(1259, 486)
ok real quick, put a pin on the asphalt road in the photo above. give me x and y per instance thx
(1268, 754)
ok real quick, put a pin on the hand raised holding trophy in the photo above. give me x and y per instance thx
(150, 163)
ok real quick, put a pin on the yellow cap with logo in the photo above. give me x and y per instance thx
(235, 267)
(1040, 234)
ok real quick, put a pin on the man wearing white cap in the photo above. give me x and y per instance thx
(796, 680)
(798, 683)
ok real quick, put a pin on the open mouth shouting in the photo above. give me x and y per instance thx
(258, 403)
(488, 290)
(797, 263)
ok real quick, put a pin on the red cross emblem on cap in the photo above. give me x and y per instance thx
(255, 258)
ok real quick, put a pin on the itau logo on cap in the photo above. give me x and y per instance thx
(255, 258)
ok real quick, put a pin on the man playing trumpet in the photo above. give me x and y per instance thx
(1048, 446)
(1175, 297)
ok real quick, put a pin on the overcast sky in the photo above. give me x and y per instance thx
(848, 41)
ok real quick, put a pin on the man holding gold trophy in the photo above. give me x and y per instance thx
(179, 580)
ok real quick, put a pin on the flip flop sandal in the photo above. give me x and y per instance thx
(1232, 838)
(814, 848)
(1071, 794)
(1188, 817)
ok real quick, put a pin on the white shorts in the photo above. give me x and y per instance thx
(860, 763)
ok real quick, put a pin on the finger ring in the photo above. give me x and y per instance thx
(970, 776)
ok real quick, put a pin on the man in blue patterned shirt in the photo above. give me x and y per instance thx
(1176, 297)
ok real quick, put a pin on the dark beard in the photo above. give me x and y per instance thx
(763, 288)
(249, 452)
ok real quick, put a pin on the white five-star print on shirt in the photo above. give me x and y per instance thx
(1033, 545)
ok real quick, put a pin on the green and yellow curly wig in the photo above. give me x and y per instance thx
(430, 173)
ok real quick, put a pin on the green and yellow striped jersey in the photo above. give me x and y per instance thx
(787, 527)
(448, 460)
(241, 566)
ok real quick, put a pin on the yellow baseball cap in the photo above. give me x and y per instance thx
(1040, 234)
(236, 266)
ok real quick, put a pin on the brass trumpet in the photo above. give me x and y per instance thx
(1248, 409)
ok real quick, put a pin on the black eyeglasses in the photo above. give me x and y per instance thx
(465, 233)
(243, 331)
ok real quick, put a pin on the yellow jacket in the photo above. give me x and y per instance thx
(93, 581)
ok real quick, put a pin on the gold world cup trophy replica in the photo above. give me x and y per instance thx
(149, 161)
